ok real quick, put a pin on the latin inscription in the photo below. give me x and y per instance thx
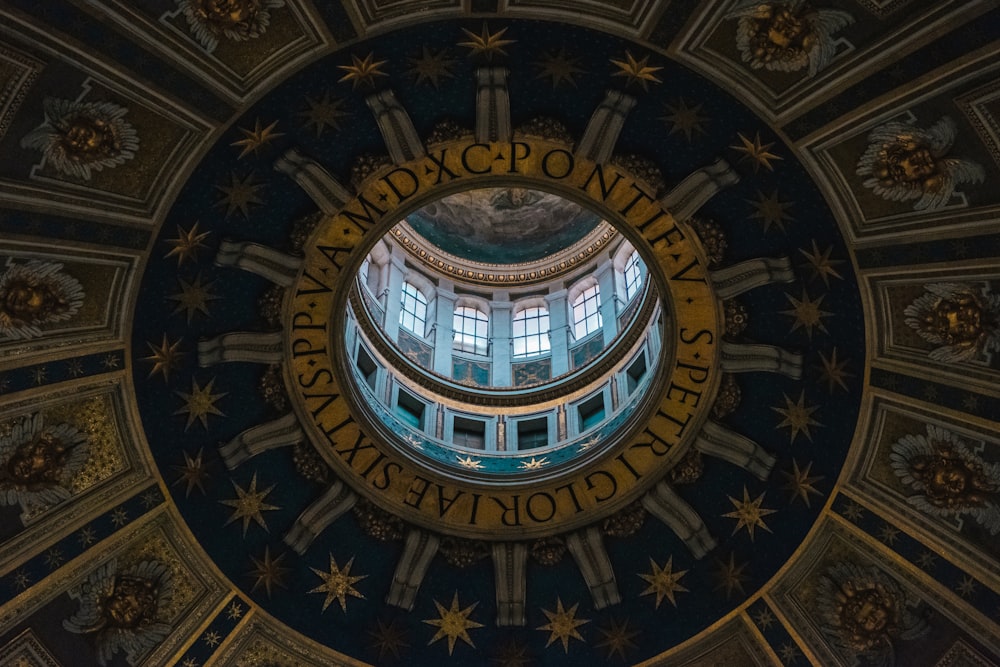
(426, 496)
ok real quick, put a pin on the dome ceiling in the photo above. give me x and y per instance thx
(502, 225)
(815, 479)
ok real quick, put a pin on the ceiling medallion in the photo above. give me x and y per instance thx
(678, 402)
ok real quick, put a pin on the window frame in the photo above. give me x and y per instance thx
(587, 300)
(636, 282)
(420, 299)
(476, 341)
(541, 336)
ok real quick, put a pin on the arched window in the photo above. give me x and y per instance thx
(413, 315)
(365, 270)
(587, 311)
(471, 330)
(531, 331)
(633, 275)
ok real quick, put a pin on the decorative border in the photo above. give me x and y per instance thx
(493, 275)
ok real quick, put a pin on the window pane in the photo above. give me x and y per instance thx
(531, 332)
(587, 312)
(413, 315)
(633, 275)
(470, 326)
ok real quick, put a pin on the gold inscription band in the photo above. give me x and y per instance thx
(492, 509)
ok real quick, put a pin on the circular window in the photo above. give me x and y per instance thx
(474, 363)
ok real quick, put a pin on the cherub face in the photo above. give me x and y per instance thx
(949, 480)
(132, 602)
(38, 461)
(780, 33)
(867, 615)
(24, 301)
(867, 611)
(228, 14)
(85, 138)
(958, 320)
(784, 27)
(915, 163)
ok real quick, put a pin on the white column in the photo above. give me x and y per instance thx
(606, 123)
(558, 331)
(444, 319)
(609, 311)
(500, 346)
(394, 268)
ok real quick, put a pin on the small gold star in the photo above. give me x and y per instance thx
(165, 357)
(199, 403)
(249, 504)
(789, 654)
(190, 662)
(389, 639)
(111, 361)
(470, 463)
(820, 265)
(563, 624)
(748, 513)
(926, 560)
(324, 113)
(559, 67)
(637, 72)
(664, 582)
(212, 638)
(798, 416)
(54, 558)
(486, 44)
(512, 653)
(800, 484)
(21, 580)
(854, 511)
(338, 584)
(617, 638)
(119, 517)
(764, 618)
(757, 152)
(255, 139)
(74, 367)
(150, 498)
(87, 536)
(967, 587)
(730, 576)
(889, 534)
(534, 464)
(235, 611)
(39, 376)
(806, 313)
(185, 247)
(192, 473)
(268, 572)
(834, 372)
(453, 623)
(240, 194)
(431, 66)
(683, 118)
(362, 72)
(771, 211)
(193, 297)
